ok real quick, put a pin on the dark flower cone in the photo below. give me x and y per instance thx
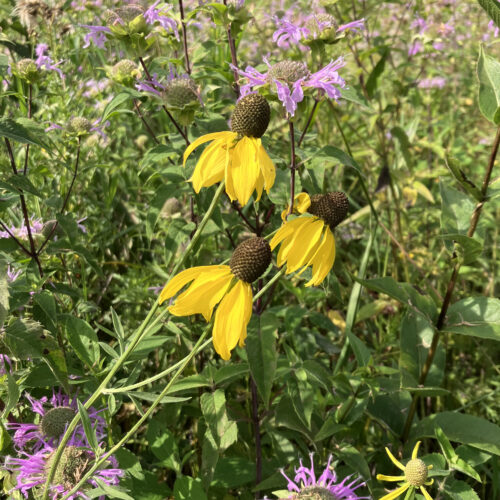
(251, 116)
(331, 207)
(250, 259)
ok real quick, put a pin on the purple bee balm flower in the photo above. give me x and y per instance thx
(153, 15)
(153, 86)
(415, 48)
(55, 414)
(76, 459)
(12, 275)
(96, 35)
(432, 83)
(44, 61)
(36, 227)
(355, 26)
(420, 24)
(287, 32)
(290, 78)
(305, 482)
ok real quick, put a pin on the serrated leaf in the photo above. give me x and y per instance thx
(22, 130)
(13, 394)
(469, 248)
(459, 490)
(83, 339)
(492, 7)
(187, 488)
(476, 317)
(488, 73)
(462, 179)
(114, 104)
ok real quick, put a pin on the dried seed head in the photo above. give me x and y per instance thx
(79, 126)
(125, 72)
(251, 116)
(331, 207)
(74, 463)
(124, 14)
(416, 472)
(26, 69)
(181, 92)
(250, 259)
(322, 26)
(54, 422)
(288, 71)
(314, 493)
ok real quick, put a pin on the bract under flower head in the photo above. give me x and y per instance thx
(326, 487)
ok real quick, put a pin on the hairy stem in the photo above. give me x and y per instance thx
(309, 121)
(234, 59)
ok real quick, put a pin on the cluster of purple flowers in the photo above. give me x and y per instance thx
(297, 33)
(44, 61)
(36, 445)
(97, 34)
(305, 481)
(290, 78)
(21, 232)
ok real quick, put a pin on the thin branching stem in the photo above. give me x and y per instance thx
(293, 167)
(451, 287)
(184, 39)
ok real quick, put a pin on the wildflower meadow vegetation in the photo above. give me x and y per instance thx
(249, 249)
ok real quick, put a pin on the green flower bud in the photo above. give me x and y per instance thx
(78, 126)
(27, 70)
(125, 72)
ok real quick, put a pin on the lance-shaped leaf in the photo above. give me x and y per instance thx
(488, 73)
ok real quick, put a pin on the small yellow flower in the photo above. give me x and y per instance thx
(415, 475)
(227, 285)
(307, 240)
(237, 156)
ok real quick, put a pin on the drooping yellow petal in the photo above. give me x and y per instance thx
(425, 493)
(243, 170)
(289, 229)
(383, 477)
(231, 319)
(203, 139)
(414, 453)
(394, 494)
(428, 483)
(181, 279)
(259, 186)
(266, 166)
(203, 294)
(322, 261)
(300, 204)
(394, 460)
(288, 245)
(305, 245)
(211, 166)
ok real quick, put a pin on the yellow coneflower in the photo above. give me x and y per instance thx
(415, 475)
(308, 241)
(229, 285)
(237, 156)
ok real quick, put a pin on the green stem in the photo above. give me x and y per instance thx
(137, 336)
(138, 424)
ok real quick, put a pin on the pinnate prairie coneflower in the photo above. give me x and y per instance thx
(308, 240)
(229, 286)
(238, 155)
(415, 475)
(326, 487)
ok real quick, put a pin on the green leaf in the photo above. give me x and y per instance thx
(44, 310)
(404, 293)
(23, 130)
(459, 490)
(475, 316)
(118, 327)
(492, 7)
(372, 82)
(27, 339)
(114, 104)
(163, 444)
(213, 407)
(456, 211)
(329, 428)
(108, 491)
(13, 394)
(287, 416)
(262, 355)
(187, 488)
(404, 145)
(87, 427)
(83, 339)
(352, 94)
(462, 179)
(18, 183)
(466, 429)
(468, 250)
(488, 73)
